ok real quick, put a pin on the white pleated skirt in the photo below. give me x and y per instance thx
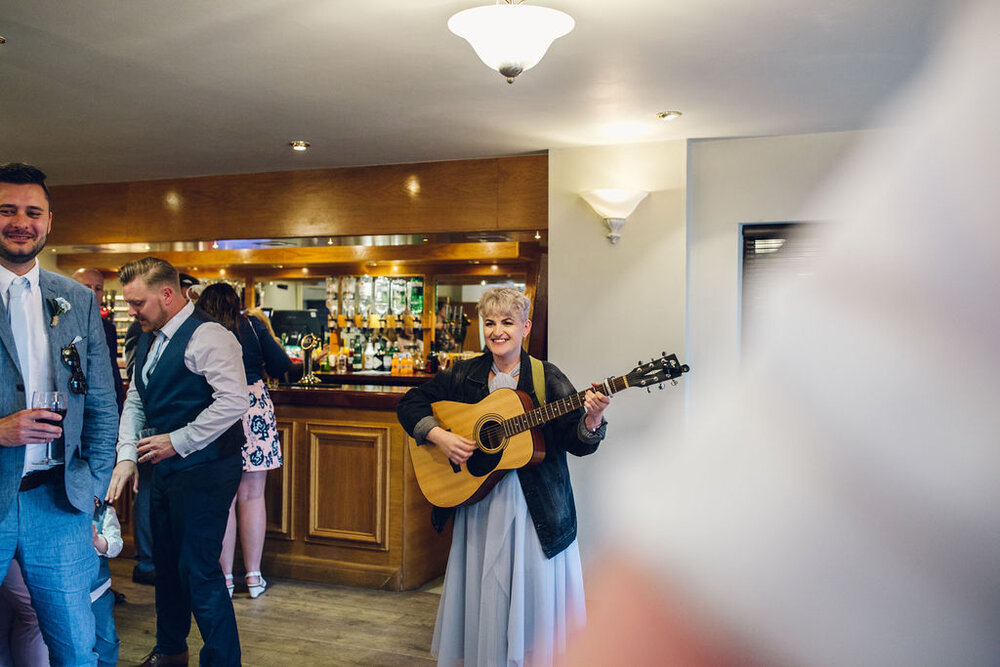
(504, 602)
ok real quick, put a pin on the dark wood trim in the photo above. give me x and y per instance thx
(463, 195)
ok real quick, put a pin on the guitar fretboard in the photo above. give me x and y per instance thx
(550, 411)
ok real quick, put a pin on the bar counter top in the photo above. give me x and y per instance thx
(368, 396)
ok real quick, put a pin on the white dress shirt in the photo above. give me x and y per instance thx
(214, 353)
(40, 374)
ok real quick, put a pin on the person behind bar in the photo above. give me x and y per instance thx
(262, 451)
(94, 279)
(190, 389)
(51, 339)
(513, 588)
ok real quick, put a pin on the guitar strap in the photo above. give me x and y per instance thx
(538, 379)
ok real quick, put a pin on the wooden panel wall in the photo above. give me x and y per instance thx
(354, 511)
(348, 485)
(278, 489)
(463, 195)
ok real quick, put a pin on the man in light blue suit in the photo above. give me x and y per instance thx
(51, 339)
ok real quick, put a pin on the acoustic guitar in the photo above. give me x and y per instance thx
(504, 427)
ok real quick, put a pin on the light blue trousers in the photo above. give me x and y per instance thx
(51, 540)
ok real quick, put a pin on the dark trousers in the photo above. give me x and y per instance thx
(189, 510)
(142, 531)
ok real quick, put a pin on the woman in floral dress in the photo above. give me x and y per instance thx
(262, 451)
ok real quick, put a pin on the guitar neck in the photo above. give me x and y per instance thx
(550, 411)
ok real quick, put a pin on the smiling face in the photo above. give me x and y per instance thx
(25, 220)
(504, 334)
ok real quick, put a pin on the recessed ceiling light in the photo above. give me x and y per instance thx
(669, 115)
(299, 145)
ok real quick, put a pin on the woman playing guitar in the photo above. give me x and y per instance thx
(513, 589)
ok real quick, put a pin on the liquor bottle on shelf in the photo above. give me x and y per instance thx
(348, 307)
(398, 298)
(387, 356)
(365, 304)
(333, 295)
(358, 362)
(376, 353)
(381, 298)
(415, 299)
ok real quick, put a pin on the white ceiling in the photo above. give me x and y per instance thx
(113, 90)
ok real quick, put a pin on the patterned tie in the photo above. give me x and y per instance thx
(154, 355)
(16, 306)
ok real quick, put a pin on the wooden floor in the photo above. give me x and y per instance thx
(297, 623)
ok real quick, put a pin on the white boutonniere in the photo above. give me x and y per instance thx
(58, 306)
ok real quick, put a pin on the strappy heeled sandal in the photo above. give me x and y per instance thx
(256, 590)
(229, 584)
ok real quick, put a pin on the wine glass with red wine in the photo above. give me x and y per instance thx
(53, 401)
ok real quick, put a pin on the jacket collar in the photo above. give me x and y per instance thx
(479, 371)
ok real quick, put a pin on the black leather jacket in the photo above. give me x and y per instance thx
(546, 486)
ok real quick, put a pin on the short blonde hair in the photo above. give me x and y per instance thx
(504, 301)
(153, 271)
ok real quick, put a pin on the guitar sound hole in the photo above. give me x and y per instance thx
(490, 436)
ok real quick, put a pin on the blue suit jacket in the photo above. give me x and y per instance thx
(91, 425)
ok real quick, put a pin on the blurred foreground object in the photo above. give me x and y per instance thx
(840, 504)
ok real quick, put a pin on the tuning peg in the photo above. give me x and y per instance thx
(661, 387)
(639, 363)
(673, 382)
(648, 390)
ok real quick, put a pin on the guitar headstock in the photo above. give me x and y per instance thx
(657, 371)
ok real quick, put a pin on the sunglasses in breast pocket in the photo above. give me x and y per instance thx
(71, 359)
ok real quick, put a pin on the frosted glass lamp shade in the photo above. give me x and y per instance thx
(614, 206)
(510, 38)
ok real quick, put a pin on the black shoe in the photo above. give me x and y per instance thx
(147, 578)
(156, 658)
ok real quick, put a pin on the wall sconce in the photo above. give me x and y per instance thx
(614, 206)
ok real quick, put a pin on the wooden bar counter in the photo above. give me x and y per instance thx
(345, 507)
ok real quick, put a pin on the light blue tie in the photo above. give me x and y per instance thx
(17, 296)
(154, 355)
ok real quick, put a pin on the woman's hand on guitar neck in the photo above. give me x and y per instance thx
(456, 448)
(595, 403)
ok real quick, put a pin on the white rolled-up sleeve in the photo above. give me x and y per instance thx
(132, 420)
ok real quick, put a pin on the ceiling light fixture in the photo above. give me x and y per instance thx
(299, 145)
(669, 115)
(510, 37)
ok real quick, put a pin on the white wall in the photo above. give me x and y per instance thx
(611, 305)
(671, 283)
(734, 181)
(281, 299)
